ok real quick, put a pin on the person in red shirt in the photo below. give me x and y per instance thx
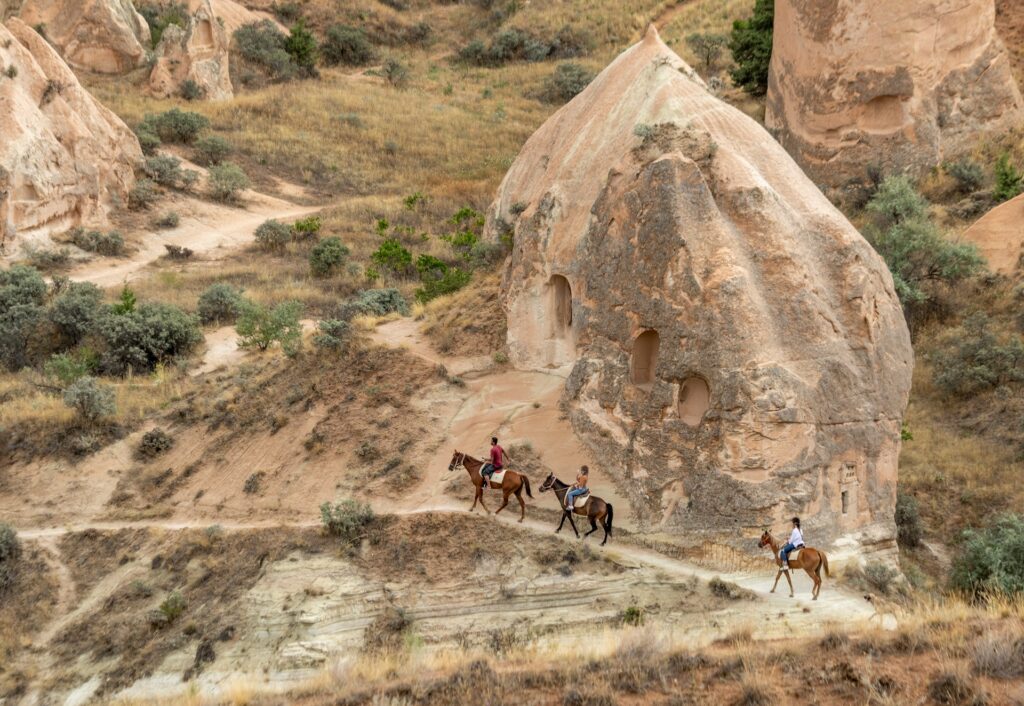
(497, 456)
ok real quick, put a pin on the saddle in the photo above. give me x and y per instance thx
(579, 502)
(498, 476)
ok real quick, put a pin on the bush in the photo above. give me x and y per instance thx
(66, 368)
(991, 560)
(226, 181)
(347, 519)
(302, 48)
(999, 654)
(306, 228)
(346, 45)
(149, 141)
(47, 259)
(1009, 181)
(438, 278)
(178, 252)
(146, 335)
(264, 45)
(908, 521)
(111, 243)
(969, 175)
(10, 552)
(219, 303)
(153, 443)
(971, 359)
(173, 606)
(211, 150)
(143, 194)
(191, 91)
(90, 400)
(751, 46)
(567, 81)
(169, 220)
(707, 47)
(881, 577)
(260, 327)
(375, 302)
(333, 334)
(22, 292)
(273, 235)
(176, 125)
(393, 256)
(158, 17)
(327, 256)
(395, 72)
(516, 45)
(75, 310)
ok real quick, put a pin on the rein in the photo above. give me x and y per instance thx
(459, 463)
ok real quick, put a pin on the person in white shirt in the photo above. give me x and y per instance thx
(796, 541)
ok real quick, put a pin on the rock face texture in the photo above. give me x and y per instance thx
(107, 36)
(737, 352)
(892, 85)
(197, 53)
(64, 158)
(999, 235)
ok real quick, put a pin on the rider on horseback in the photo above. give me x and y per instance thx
(497, 455)
(578, 489)
(796, 541)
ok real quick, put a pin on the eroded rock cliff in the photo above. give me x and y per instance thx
(197, 53)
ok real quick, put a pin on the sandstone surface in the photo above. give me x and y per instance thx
(198, 53)
(883, 85)
(106, 36)
(735, 351)
(999, 235)
(65, 160)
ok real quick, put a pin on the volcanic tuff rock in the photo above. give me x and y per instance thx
(738, 354)
(886, 85)
(198, 53)
(999, 235)
(107, 36)
(64, 158)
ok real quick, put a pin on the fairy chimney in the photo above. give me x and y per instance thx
(886, 87)
(197, 53)
(734, 349)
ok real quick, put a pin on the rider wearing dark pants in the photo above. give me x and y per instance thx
(796, 541)
(497, 456)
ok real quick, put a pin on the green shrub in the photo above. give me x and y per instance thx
(374, 302)
(969, 175)
(707, 47)
(991, 560)
(393, 256)
(908, 521)
(153, 443)
(260, 327)
(395, 72)
(1009, 181)
(302, 48)
(327, 255)
(173, 606)
(273, 235)
(159, 17)
(176, 125)
(332, 334)
(347, 519)
(68, 367)
(438, 278)
(306, 228)
(516, 45)
(971, 359)
(10, 553)
(148, 334)
(125, 301)
(751, 46)
(22, 293)
(226, 181)
(568, 80)
(190, 90)
(897, 201)
(211, 150)
(219, 303)
(633, 615)
(91, 400)
(149, 141)
(264, 45)
(169, 220)
(111, 243)
(346, 45)
(75, 310)
(143, 194)
(47, 259)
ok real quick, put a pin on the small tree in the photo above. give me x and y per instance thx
(708, 47)
(1009, 181)
(991, 560)
(91, 400)
(260, 327)
(327, 256)
(176, 125)
(908, 521)
(970, 359)
(219, 303)
(212, 150)
(273, 235)
(347, 45)
(22, 292)
(751, 46)
(302, 48)
(226, 181)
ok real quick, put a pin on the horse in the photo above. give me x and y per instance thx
(512, 483)
(596, 509)
(810, 560)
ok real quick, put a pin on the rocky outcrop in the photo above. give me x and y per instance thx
(106, 36)
(887, 86)
(65, 160)
(233, 15)
(999, 235)
(735, 349)
(196, 53)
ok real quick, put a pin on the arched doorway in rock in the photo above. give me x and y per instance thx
(694, 400)
(645, 357)
(560, 303)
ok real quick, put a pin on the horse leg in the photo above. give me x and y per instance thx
(564, 515)
(572, 524)
(522, 504)
(476, 498)
(593, 526)
(776, 584)
(790, 582)
(503, 504)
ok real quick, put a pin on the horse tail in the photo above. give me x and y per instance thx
(824, 562)
(608, 519)
(526, 482)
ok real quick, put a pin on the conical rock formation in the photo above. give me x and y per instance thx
(737, 352)
(999, 235)
(198, 53)
(65, 160)
(887, 86)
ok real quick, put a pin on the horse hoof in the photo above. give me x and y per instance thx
(520, 520)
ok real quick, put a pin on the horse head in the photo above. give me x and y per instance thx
(548, 482)
(457, 458)
(766, 539)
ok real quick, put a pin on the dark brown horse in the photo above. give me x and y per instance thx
(810, 560)
(596, 509)
(512, 483)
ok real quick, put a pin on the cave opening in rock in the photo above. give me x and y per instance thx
(645, 357)
(846, 501)
(561, 306)
(694, 400)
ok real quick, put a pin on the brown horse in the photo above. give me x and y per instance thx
(810, 560)
(512, 483)
(596, 509)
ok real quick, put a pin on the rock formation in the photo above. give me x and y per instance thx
(735, 350)
(197, 53)
(65, 159)
(892, 86)
(107, 36)
(233, 15)
(999, 235)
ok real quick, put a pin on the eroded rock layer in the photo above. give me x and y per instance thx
(196, 53)
(737, 352)
(886, 86)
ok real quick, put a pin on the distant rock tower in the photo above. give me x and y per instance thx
(892, 86)
(735, 350)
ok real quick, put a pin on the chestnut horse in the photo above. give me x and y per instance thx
(596, 509)
(810, 560)
(512, 483)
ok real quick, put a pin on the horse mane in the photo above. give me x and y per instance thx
(558, 484)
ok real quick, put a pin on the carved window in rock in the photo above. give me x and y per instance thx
(560, 293)
(694, 400)
(645, 358)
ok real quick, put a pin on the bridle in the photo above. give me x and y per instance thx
(456, 462)
(548, 484)
(766, 540)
